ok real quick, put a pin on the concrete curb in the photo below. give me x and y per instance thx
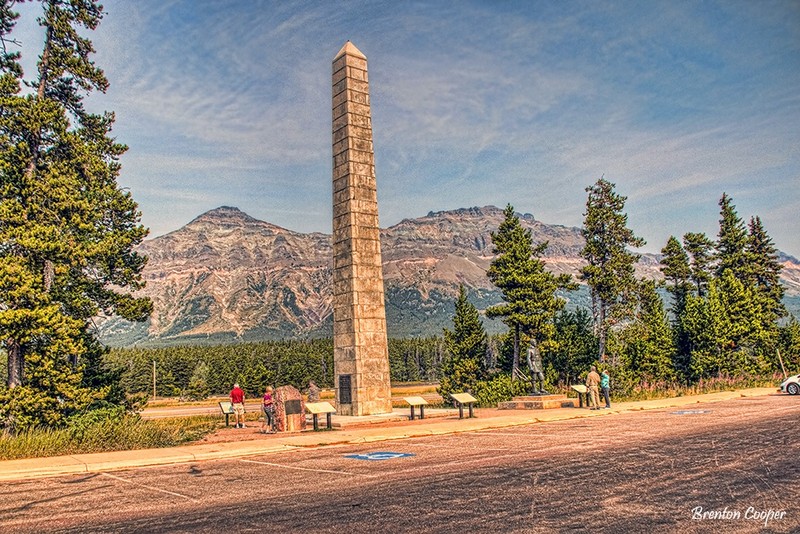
(110, 461)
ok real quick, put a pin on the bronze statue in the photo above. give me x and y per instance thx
(537, 369)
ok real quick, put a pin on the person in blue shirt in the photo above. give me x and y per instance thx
(605, 386)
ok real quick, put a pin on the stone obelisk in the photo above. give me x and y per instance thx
(360, 348)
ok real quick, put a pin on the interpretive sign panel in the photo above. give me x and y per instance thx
(463, 398)
(319, 407)
(415, 401)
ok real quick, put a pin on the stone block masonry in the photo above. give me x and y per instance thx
(360, 348)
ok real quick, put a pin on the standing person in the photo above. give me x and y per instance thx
(313, 392)
(237, 399)
(605, 386)
(268, 406)
(592, 381)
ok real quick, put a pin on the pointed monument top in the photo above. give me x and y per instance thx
(351, 50)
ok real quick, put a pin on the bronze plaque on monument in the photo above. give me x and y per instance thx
(345, 391)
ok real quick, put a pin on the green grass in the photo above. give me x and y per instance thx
(663, 390)
(127, 433)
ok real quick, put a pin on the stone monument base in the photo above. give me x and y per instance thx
(290, 410)
(537, 402)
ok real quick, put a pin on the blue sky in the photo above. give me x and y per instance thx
(473, 103)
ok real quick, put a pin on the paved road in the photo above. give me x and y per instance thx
(631, 472)
(188, 411)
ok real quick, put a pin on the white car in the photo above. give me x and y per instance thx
(791, 385)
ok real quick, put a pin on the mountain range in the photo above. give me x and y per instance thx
(228, 277)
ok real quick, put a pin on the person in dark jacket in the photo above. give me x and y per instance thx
(592, 383)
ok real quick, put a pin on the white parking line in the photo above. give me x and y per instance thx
(487, 433)
(306, 468)
(440, 446)
(457, 463)
(150, 487)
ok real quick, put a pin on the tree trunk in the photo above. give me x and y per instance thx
(15, 363)
(601, 333)
(515, 363)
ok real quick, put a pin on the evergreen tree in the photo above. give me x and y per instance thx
(701, 251)
(573, 350)
(466, 344)
(610, 269)
(765, 269)
(648, 348)
(67, 231)
(727, 330)
(789, 345)
(700, 324)
(198, 388)
(528, 289)
(677, 273)
(678, 276)
(731, 241)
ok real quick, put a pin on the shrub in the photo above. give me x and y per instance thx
(498, 389)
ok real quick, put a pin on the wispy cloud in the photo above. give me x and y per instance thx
(473, 103)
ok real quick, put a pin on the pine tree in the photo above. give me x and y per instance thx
(610, 269)
(701, 252)
(67, 231)
(649, 350)
(789, 345)
(528, 289)
(677, 273)
(574, 347)
(700, 324)
(678, 277)
(765, 269)
(731, 241)
(198, 383)
(727, 330)
(464, 364)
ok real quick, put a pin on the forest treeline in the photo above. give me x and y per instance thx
(195, 371)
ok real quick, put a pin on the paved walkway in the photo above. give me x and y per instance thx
(348, 430)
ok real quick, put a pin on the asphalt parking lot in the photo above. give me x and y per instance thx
(649, 471)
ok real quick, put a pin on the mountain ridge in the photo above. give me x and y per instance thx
(227, 276)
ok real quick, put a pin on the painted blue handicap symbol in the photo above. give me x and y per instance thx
(378, 456)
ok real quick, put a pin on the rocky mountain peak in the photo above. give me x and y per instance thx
(491, 212)
(224, 216)
(229, 276)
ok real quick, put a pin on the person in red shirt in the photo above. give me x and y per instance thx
(237, 399)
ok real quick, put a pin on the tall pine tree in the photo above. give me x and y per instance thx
(678, 279)
(464, 363)
(765, 268)
(731, 241)
(529, 290)
(610, 269)
(67, 231)
(648, 347)
(701, 253)
(677, 273)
